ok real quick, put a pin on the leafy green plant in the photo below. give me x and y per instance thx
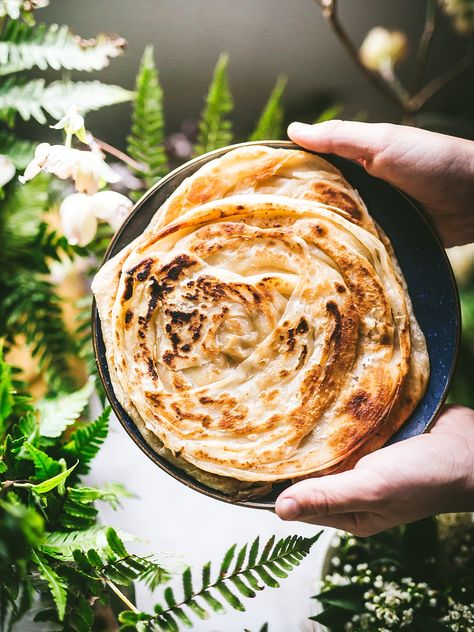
(146, 140)
(215, 129)
(415, 577)
(52, 549)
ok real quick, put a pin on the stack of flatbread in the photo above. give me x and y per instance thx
(260, 329)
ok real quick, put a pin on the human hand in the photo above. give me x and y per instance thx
(404, 482)
(434, 169)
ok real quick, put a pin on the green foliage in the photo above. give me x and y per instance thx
(53, 46)
(215, 129)
(241, 574)
(45, 333)
(18, 150)
(462, 387)
(34, 99)
(57, 413)
(270, 123)
(410, 574)
(86, 440)
(146, 140)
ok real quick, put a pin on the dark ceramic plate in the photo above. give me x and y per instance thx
(420, 254)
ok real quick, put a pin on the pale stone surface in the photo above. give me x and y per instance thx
(173, 518)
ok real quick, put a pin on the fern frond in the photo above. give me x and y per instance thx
(146, 140)
(45, 466)
(34, 99)
(61, 545)
(19, 151)
(270, 123)
(45, 333)
(23, 47)
(57, 413)
(55, 583)
(215, 130)
(271, 562)
(86, 440)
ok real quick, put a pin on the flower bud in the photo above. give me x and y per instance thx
(461, 13)
(111, 207)
(382, 49)
(78, 222)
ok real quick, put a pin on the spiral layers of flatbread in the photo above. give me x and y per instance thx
(260, 329)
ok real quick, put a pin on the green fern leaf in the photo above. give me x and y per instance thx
(215, 130)
(34, 99)
(46, 335)
(62, 545)
(146, 140)
(288, 551)
(18, 150)
(270, 123)
(51, 483)
(253, 552)
(57, 413)
(45, 466)
(226, 562)
(229, 596)
(6, 392)
(86, 440)
(56, 47)
(56, 585)
(187, 584)
(206, 575)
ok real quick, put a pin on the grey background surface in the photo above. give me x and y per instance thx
(264, 38)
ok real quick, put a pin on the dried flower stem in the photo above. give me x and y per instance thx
(117, 153)
(329, 10)
(435, 85)
(389, 87)
(121, 596)
(425, 43)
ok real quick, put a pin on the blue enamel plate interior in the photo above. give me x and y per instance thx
(424, 264)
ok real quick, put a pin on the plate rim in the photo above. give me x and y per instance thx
(136, 436)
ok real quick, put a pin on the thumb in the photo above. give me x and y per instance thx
(349, 139)
(346, 492)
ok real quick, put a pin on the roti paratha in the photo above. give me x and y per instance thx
(260, 329)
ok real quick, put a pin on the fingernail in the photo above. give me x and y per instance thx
(298, 128)
(288, 509)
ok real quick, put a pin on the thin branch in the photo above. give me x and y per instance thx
(121, 596)
(329, 10)
(425, 43)
(117, 153)
(436, 84)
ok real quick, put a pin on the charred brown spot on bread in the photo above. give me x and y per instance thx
(385, 339)
(335, 197)
(128, 317)
(141, 333)
(340, 289)
(180, 318)
(364, 408)
(142, 270)
(151, 369)
(186, 348)
(168, 357)
(319, 230)
(128, 292)
(173, 269)
(206, 400)
(302, 326)
(333, 309)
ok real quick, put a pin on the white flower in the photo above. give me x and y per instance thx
(7, 170)
(111, 207)
(79, 224)
(79, 214)
(72, 123)
(382, 49)
(86, 168)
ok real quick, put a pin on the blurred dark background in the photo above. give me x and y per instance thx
(264, 38)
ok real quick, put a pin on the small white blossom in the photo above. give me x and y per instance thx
(382, 49)
(72, 123)
(111, 207)
(7, 170)
(86, 168)
(79, 214)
